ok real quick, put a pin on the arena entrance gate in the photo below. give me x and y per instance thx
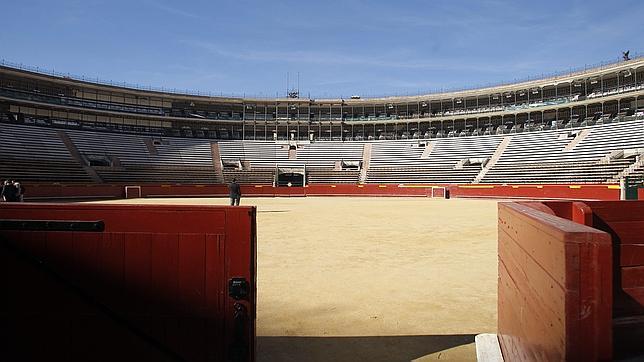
(631, 185)
(290, 176)
(89, 282)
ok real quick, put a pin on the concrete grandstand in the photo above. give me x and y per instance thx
(580, 127)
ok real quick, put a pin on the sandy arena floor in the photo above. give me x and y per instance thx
(372, 279)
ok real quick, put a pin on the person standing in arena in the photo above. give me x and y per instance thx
(20, 191)
(9, 192)
(235, 193)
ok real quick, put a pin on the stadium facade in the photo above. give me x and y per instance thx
(581, 127)
(571, 100)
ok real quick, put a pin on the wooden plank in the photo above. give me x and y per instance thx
(159, 273)
(136, 271)
(164, 269)
(552, 287)
(633, 277)
(628, 232)
(631, 254)
(192, 259)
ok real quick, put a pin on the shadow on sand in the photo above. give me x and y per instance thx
(378, 348)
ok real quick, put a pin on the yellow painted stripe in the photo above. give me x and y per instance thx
(360, 185)
(383, 186)
(515, 187)
(416, 186)
(614, 187)
(574, 186)
(476, 186)
(539, 187)
(259, 186)
(332, 185)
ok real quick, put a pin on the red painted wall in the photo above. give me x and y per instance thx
(578, 192)
(152, 286)
(625, 221)
(575, 192)
(554, 291)
(39, 191)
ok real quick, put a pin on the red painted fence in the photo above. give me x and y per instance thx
(574, 192)
(153, 284)
(577, 192)
(550, 307)
(587, 256)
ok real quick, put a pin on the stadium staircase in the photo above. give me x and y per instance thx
(76, 155)
(152, 150)
(578, 138)
(366, 160)
(216, 161)
(492, 161)
(428, 150)
(636, 169)
(43, 154)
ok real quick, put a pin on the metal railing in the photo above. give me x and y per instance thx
(97, 80)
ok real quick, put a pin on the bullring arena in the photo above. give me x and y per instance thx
(422, 296)
(492, 223)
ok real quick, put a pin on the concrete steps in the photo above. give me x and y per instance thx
(76, 155)
(494, 159)
(428, 150)
(633, 168)
(578, 138)
(216, 161)
(366, 160)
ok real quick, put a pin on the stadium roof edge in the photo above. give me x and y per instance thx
(603, 68)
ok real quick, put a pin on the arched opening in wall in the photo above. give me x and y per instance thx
(471, 127)
(593, 109)
(459, 128)
(639, 76)
(534, 121)
(440, 130)
(550, 119)
(314, 131)
(564, 115)
(521, 123)
(290, 176)
(401, 131)
(580, 112)
(413, 130)
(626, 110)
(610, 109)
(423, 130)
(507, 125)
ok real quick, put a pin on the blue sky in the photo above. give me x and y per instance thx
(339, 48)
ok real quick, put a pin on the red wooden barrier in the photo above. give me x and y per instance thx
(154, 285)
(624, 220)
(554, 289)
(573, 192)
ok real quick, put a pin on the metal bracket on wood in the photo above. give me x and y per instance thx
(52, 225)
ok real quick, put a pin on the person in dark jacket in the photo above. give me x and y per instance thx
(235, 193)
(20, 191)
(9, 192)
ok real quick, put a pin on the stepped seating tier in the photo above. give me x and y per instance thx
(37, 153)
